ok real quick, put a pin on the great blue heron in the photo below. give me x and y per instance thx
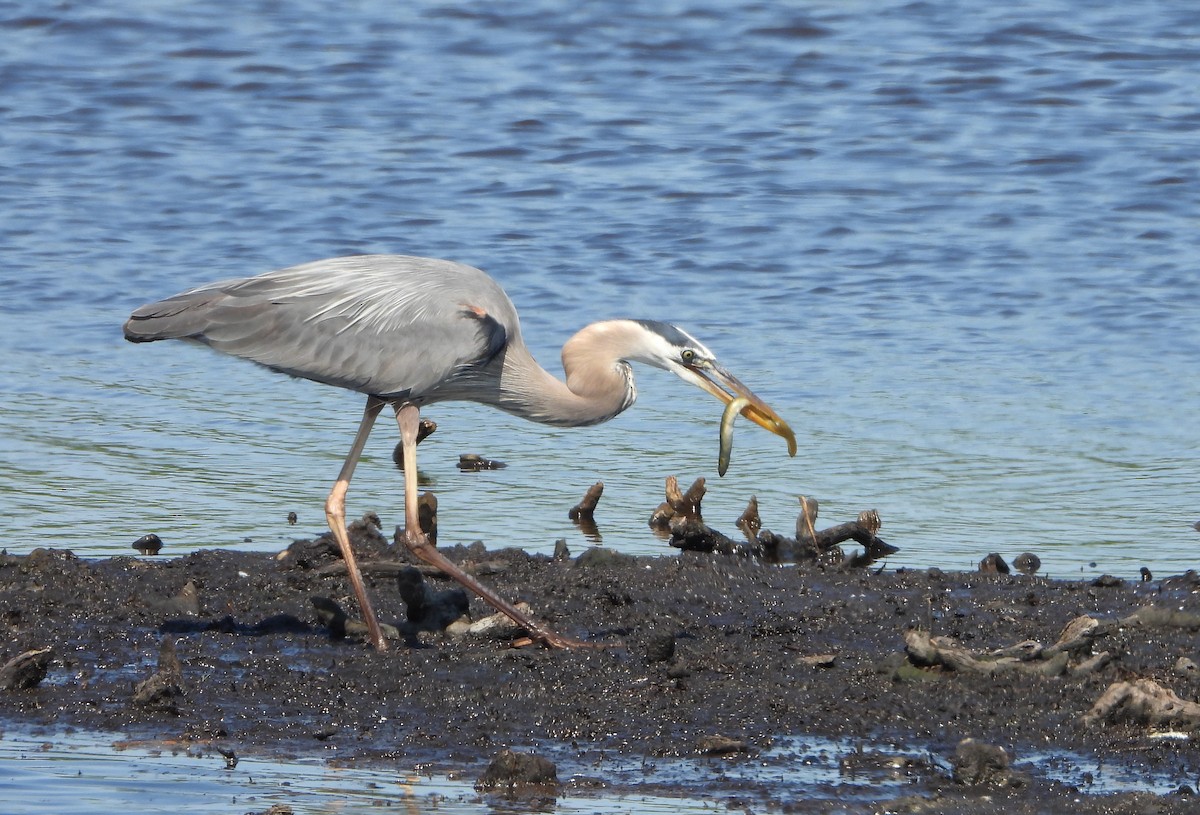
(410, 331)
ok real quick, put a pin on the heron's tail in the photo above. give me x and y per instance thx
(184, 316)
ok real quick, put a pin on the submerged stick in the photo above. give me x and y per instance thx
(749, 521)
(585, 509)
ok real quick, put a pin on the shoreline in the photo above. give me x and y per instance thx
(724, 662)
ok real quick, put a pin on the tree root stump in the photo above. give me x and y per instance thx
(1145, 702)
(680, 515)
(161, 691)
(25, 670)
(1075, 642)
(584, 513)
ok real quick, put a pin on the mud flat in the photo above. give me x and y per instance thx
(723, 678)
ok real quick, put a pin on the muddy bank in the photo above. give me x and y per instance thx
(717, 663)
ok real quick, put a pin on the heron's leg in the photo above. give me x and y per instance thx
(407, 416)
(335, 514)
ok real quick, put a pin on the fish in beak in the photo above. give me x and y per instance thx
(739, 400)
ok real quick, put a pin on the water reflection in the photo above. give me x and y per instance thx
(98, 773)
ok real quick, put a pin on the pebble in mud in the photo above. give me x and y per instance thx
(660, 647)
(980, 765)
(719, 745)
(427, 608)
(25, 670)
(519, 774)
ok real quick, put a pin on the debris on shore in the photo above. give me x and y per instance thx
(726, 657)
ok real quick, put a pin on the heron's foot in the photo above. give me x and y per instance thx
(417, 541)
(552, 640)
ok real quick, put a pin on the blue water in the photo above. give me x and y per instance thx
(52, 772)
(955, 245)
(102, 773)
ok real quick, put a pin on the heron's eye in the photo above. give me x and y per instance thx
(688, 355)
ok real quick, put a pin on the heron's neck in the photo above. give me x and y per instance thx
(599, 381)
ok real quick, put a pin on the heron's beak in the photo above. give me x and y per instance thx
(727, 387)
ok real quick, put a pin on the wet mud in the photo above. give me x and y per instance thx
(937, 691)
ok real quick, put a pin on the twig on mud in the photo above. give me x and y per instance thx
(1075, 641)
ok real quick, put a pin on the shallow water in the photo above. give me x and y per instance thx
(954, 246)
(87, 772)
(44, 772)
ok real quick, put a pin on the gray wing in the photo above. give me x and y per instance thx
(388, 325)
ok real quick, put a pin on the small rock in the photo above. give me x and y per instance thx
(427, 608)
(519, 774)
(993, 564)
(818, 660)
(603, 558)
(275, 809)
(471, 462)
(148, 544)
(1185, 666)
(721, 745)
(496, 626)
(1108, 581)
(292, 518)
(25, 670)
(660, 647)
(1027, 563)
(980, 765)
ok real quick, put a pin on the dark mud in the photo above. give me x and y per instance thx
(725, 666)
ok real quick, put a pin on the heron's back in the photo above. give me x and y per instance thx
(390, 325)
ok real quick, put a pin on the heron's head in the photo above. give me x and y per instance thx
(673, 349)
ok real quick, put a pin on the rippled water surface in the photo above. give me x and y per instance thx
(955, 245)
(102, 772)
(105, 772)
